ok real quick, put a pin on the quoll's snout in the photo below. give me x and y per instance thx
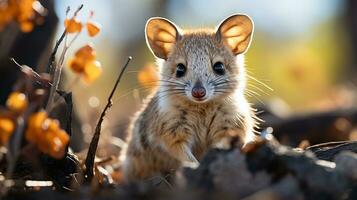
(198, 91)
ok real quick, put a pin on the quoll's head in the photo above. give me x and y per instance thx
(200, 65)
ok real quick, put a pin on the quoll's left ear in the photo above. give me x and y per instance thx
(236, 32)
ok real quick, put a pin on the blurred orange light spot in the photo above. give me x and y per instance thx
(7, 127)
(26, 26)
(92, 71)
(148, 76)
(17, 102)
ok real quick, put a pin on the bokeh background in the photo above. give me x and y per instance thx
(303, 50)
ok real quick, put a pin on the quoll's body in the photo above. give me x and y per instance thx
(199, 102)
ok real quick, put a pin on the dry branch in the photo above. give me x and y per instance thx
(89, 163)
(33, 73)
(328, 151)
(56, 72)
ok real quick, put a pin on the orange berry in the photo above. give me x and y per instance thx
(7, 127)
(17, 102)
(25, 11)
(36, 119)
(47, 134)
(73, 25)
(34, 126)
(57, 141)
(26, 26)
(86, 52)
(63, 136)
(25, 5)
(93, 28)
(52, 124)
(92, 71)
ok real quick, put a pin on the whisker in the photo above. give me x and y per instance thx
(145, 87)
(221, 78)
(225, 87)
(263, 84)
(252, 94)
(165, 94)
(252, 91)
(129, 91)
(174, 82)
(258, 88)
(132, 71)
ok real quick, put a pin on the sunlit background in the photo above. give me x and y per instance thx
(301, 49)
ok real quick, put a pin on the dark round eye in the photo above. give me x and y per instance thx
(218, 68)
(180, 70)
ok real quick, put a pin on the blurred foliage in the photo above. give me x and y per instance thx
(300, 70)
(303, 58)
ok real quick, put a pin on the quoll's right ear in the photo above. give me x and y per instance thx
(161, 35)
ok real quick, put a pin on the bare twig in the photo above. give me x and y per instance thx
(328, 151)
(52, 58)
(33, 72)
(89, 163)
(56, 72)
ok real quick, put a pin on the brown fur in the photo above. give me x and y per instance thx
(172, 129)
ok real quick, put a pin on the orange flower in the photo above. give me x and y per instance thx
(85, 64)
(47, 134)
(73, 25)
(17, 102)
(93, 28)
(7, 127)
(87, 52)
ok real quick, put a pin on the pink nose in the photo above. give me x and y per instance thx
(198, 92)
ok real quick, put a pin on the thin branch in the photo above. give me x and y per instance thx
(328, 151)
(51, 60)
(89, 163)
(78, 9)
(33, 72)
(56, 73)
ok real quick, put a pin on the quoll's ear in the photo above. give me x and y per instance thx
(161, 35)
(236, 32)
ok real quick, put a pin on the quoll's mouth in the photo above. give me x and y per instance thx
(199, 100)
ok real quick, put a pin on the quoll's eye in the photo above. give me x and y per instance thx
(218, 68)
(180, 70)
